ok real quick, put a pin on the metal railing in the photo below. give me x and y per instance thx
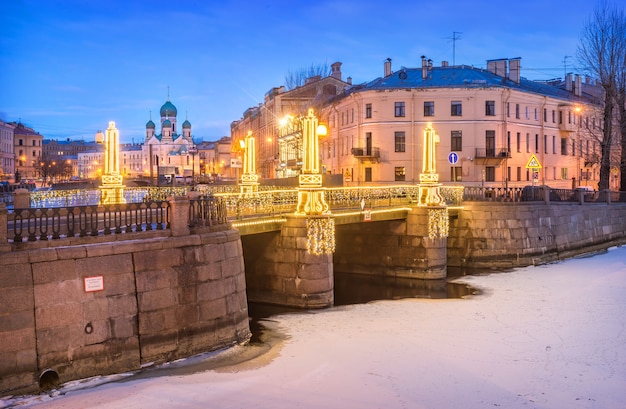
(34, 224)
(206, 211)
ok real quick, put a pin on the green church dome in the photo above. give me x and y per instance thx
(169, 110)
(150, 125)
(186, 124)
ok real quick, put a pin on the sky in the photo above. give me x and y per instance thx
(68, 67)
(539, 337)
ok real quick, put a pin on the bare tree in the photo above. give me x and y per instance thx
(297, 78)
(602, 51)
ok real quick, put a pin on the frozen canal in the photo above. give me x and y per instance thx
(552, 336)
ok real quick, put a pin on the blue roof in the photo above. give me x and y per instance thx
(462, 76)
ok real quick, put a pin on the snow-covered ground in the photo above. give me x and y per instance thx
(552, 336)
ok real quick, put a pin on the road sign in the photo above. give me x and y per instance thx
(533, 163)
(453, 158)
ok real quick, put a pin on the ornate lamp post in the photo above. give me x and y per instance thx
(111, 188)
(311, 202)
(249, 179)
(429, 188)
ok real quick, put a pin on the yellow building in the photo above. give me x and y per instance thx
(491, 123)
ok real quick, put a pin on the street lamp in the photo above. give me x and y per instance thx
(192, 151)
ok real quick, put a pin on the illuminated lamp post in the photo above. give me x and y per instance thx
(249, 179)
(311, 201)
(429, 187)
(111, 188)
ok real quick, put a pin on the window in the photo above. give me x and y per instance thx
(563, 146)
(490, 108)
(399, 109)
(553, 144)
(368, 174)
(34, 143)
(517, 111)
(400, 142)
(545, 115)
(456, 108)
(564, 173)
(20, 142)
(536, 143)
(456, 173)
(519, 174)
(553, 116)
(456, 141)
(527, 142)
(429, 108)
(508, 110)
(368, 110)
(400, 173)
(519, 137)
(490, 174)
(560, 117)
(545, 143)
(490, 143)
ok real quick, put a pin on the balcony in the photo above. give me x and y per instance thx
(372, 153)
(491, 156)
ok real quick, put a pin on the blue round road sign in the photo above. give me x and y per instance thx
(453, 158)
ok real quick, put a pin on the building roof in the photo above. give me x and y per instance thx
(168, 109)
(463, 76)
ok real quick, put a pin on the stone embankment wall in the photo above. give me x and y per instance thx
(502, 235)
(163, 298)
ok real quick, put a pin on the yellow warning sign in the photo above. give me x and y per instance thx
(533, 163)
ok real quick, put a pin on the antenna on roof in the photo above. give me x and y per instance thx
(565, 65)
(456, 35)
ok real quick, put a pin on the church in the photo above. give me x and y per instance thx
(168, 154)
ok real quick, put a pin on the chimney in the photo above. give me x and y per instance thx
(568, 82)
(444, 63)
(514, 69)
(578, 86)
(424, 68)
(349, 80)
(336, 70)
(387, 67)
(497, 67)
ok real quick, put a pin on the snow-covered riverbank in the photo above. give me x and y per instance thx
(552, 336)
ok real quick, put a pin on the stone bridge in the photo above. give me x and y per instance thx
(138, 284)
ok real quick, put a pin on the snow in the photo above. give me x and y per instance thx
(552, 336)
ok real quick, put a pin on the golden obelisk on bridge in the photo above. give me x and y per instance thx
(111, 188)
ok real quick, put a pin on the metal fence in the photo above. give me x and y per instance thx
(34, 224)
(206, 211)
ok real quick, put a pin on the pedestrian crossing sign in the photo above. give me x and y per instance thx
(533, 163)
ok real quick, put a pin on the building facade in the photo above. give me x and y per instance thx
(7, 154)
(492, 124)
(279, 143)
(168, 152)
(27, 147)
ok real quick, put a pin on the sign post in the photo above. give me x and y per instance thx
(534, 165)
(453, 158)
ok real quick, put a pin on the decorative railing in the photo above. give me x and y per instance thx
(34, 224)
(279, 202)
(207, 211)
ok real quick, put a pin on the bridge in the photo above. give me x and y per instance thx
(95, 289)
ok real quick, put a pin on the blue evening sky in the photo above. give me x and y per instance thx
(68, 67)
